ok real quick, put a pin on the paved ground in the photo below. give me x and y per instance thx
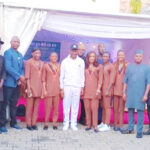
(70, 140)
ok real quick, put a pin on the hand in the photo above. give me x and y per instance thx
(29, 93)
(107, 93)
(81, 97)
(62, 93)
(82, 91)
(19, 82)
(98, 92)
(1, 83)
(45, 93)
(124, 96)
(22, 79)
(144, 99)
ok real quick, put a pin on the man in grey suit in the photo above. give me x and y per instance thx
(2, 77)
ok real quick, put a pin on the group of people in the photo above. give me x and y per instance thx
(95, 80)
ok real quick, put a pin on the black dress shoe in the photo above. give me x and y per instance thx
(15, 126)
(88, 128)
(126, 131)
(96, 130)
(29, 128)
(45, 128)
(147, 132)
(34, 127)
(116, 128)
(139, 135)
(55, 128)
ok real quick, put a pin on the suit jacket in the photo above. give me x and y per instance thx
(2, 76)
(14, 67)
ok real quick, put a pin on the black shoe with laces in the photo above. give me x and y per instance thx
(96, 130)
(139, 135)
(147, 132)
(55, 128)
(45, 128)
(88, 128)
(29, 128)
(126, 131)
(34, 127)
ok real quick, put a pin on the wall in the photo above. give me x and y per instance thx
(125, 6)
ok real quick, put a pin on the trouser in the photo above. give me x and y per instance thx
(106, 104)
(139, 121)
(71, 101)
(11, 96)
(119, 105)
(1, 102)
(148, 108)
(91, 110)
(100, 111)
(82, 117)
(32, 108)
(148, 112)
(52, 102)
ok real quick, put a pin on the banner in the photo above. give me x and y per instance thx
(45, 47)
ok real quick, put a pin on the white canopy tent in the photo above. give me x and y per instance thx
(90, 6)
(99, 25)
(24, 21)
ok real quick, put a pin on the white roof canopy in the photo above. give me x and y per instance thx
(25, 17)
(100, 6)
(98, 25)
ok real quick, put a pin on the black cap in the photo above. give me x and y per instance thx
(74, 47)
(1, 42)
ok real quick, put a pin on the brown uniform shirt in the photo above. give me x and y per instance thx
(92, 79)
(33, 72)
(119, 75)
(109, 76)
(51, 79)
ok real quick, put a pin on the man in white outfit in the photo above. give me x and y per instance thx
(71, 83)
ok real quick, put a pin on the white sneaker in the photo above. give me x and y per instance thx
(105, 128)
(74, 128)
(101, 125)
(65, 127)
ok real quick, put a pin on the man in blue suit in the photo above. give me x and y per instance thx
(14, 67)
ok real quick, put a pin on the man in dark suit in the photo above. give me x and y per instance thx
(2, 77)
(81, 52)
(14, 66)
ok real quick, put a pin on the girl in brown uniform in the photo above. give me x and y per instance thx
(51, 86)
(33, 75)
(107, 88)
(119, 104)
(92, 90)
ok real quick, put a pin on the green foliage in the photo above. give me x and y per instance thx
(135, 6)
